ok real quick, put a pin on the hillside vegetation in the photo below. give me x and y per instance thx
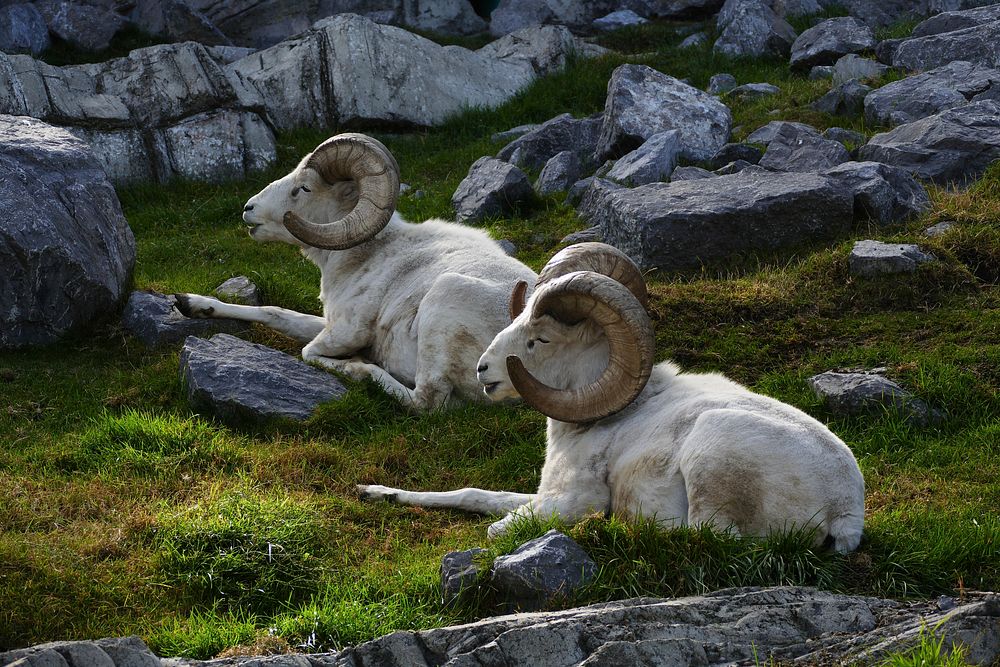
(123, 512)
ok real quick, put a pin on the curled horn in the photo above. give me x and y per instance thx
(517, 299)
(368, 163)
(600, 258)
(585, 295)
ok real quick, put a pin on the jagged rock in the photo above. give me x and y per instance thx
(953, 146)
(577, 190)
(68, 253)
(684, 224)
(239, 289)
(458, 573)
(651, 162)
(731, 152)
(508, 247)
(22, 29)
(979, 44)
(847, 99)
(873, 258)
(59, 654)
(642, 102)
(860, 393)
(957, 20)
(154, 319)
(128, 652)
(691, 41)
(221, 145)
(764, 135)
(85, 27)
(511, 15)
(622, 18)
(447, 17)
(562, 133)
(849, 138)
(795, 149)
(736, 166)
(514, 132)
(721, 83)
(561, 171)
(752, 91)
(922, 95)
(882, 193)
(675, 8)
(545, 49)
(827, 41)
(939, 229)
(539, 570)
(583, 236)
(239, 381)
(752, 28)
(491, 188)
(819, 72)
(176, 21)
(690, 174)
(596, 200)
(853, 66)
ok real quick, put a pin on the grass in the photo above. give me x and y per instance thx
(122, 511)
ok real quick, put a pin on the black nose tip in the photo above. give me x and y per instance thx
(483, 368)
(248, 207)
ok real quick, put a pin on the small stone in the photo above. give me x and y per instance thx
(819, 72)
(239, 289)
(732, 152)
(828, 40)
(849, 138)
(128, 652)
(721, 83)
(847, 99)
(764, 135)
(492, 188)
(514, 132)
(690, 174)
(404, 188)
(946, 603)
(795, 149)
(858, 393)
(870, 258)
(419, 194)
(940, 229)
(853, 66)
(508, 247)
(753, 91)
(559, 173)
(735, 166)
(583, 236)
(622, 18)
(550, 566)
(882, 193)
(458, 573)
(576, 191)
(691, 41)
(649, 163)
(153, 318)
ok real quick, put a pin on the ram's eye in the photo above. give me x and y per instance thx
(304, 188)
(542, 341)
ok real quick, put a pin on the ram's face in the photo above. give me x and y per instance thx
(303, 192)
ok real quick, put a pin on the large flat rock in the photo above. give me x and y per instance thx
(979, 44)
(240, 382)
(66, 250)
(685, 224)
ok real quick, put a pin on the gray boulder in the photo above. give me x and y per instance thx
(685, 224)
(562, 133)
(651, 162)
(492, 188)
(239, 289)
(128, 652)
(675, 8)
(546, 49)
(68, 253)
(736, 166)
(577, 190)
(820, 72)
(83, 26)
(458, 573)
(854, 393)
(869, 259)
(690, 174)
(752, 28)
(559, 174)
(447, 17)
(979, 44)
(551, 566)
(22, 29)
(153, 318)
(957, 20)
(847, 99)
(752, 91)
(583, 236)
(623, 18)
(794, 149)
(853, 66)
(954, 146)
(882, 193)
(597, 200)
(512, 15)
(240, 382)
(514, 132)
(642, 102)
(721, 83)
(691, 41)
(826, 42)
(849, 138)
(922, 95)
(939, 229)
(731, 152)
(176, 21)
(765, 134)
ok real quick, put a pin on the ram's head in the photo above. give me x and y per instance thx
(581, 348)
(340, 195)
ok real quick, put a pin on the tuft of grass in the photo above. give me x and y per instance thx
(931, 651)
(241, 550)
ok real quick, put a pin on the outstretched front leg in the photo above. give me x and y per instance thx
(298, 326)
(469, 500)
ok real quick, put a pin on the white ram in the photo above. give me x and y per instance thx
(411, 305)
(632, 438)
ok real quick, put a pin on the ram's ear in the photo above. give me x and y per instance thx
(345, 191)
